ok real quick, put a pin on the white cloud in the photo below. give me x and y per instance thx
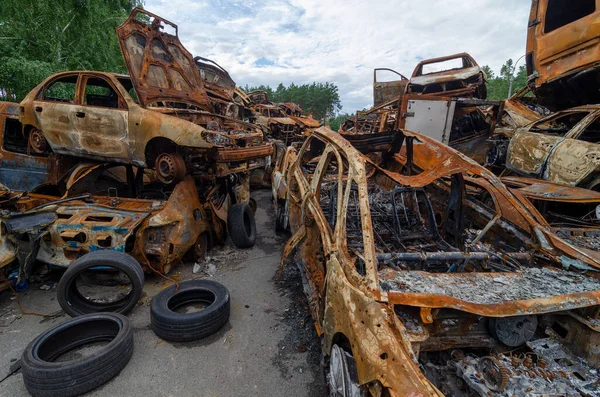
(300, 41)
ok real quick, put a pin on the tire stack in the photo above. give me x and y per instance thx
(95, 322)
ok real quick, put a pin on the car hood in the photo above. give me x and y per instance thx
(308, 122)
(283, 120)
(161, 69)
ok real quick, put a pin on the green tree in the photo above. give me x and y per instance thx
(335, 122)
(41, 37)
(497, 86)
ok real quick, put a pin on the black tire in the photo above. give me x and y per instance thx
(74, 304)
(46, 378)
(282, 218)
(241, 225)
(170, 325)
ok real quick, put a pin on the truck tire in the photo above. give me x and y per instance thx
(241, 225)
(170, 325)
(75, 304)
(45, 377)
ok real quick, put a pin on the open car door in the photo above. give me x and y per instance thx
(161, 69)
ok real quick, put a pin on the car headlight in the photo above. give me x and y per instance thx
(216, 138)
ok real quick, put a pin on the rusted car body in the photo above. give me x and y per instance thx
(462, 123)
(388, 89)
(161, 117)
(563, 47)
(157, 226)
(284, 121)
(295, 112)
(20, 167)
(455, 75)
(426, 276)
(518, 111)
(563, 147)
(279, 125)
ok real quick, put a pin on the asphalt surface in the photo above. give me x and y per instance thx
(268, 348)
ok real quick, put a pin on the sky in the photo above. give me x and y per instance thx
(283, 41)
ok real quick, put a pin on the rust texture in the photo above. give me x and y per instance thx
(414, 250)
(563, 147)
(455, 75)
(562, 53)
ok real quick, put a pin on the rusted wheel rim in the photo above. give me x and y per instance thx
(169, 168)
(38, 143)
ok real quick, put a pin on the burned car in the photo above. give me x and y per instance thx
(279, 125)
(284, 121)
(563, 147)
(426, 276)
(111, 207)
(444, 99)
(462, 123)
(160, 117)
(455, 75)
(295, 112)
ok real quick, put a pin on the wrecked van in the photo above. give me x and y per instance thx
(562, 52)
(426, 276)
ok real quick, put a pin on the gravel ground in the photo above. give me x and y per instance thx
(268, 348)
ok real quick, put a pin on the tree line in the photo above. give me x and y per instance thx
(319, 99)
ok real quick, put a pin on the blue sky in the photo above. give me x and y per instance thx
(300, 41)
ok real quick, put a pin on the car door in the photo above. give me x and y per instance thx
(54, 109)
(101, 120)
(530, 148)
(575, 160)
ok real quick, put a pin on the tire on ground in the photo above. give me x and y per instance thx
(170, 325)
(43, 376)
(74, 304)
(241, 225)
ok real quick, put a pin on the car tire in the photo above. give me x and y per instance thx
(43, 376)
(170, 325)
(241, 225)
(74, 304)
(282, 217)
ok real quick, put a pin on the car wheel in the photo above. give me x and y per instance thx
(171, 325)
(282, 216)
(170, 168)
(37, 141)
(241, 225)
(86, 286)
(342, 375)
(45, 376)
